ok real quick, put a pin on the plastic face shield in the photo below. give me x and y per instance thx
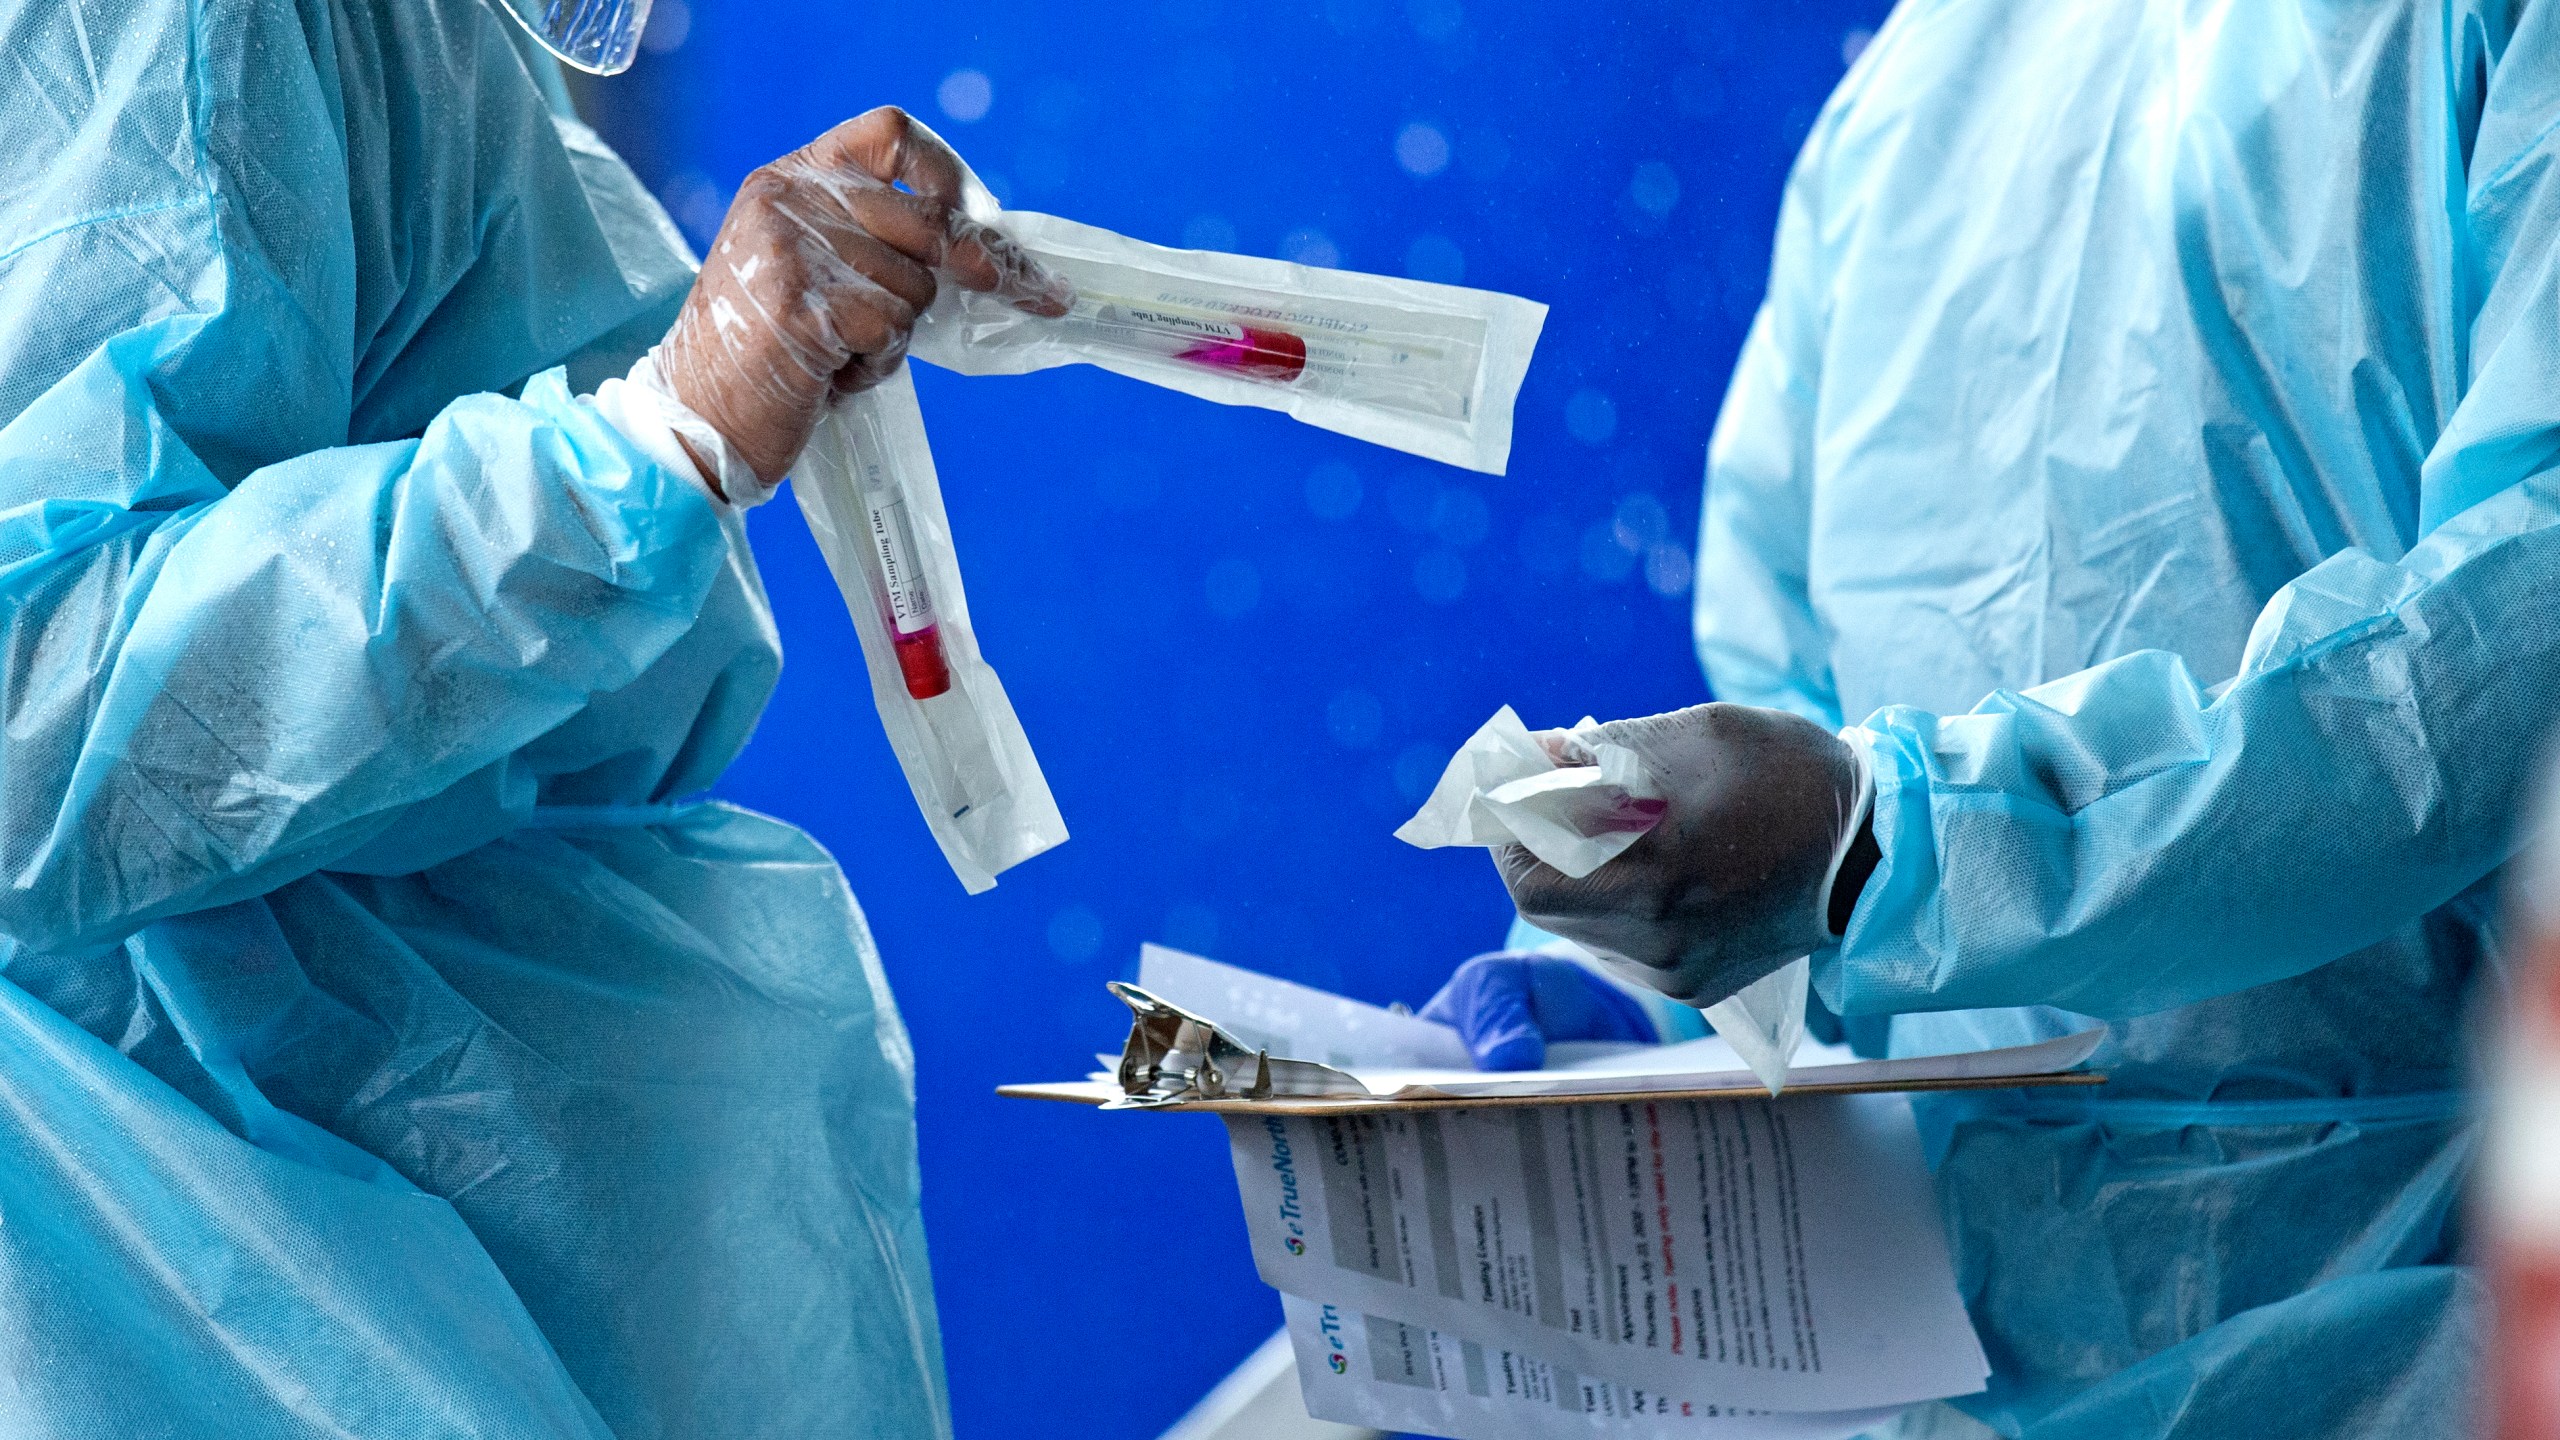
(597, 36)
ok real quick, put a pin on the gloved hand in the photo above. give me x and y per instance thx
(1507, 1006)
(817, 276)
(1735, 880)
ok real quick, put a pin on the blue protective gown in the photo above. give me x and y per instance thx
(2151, 444)
(383, 1051)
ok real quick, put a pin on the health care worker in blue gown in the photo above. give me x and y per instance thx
(2131, 572)
(385, 1050)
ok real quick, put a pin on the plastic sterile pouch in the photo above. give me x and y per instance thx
(1428, 369)
(867, 485)
(1577, 808)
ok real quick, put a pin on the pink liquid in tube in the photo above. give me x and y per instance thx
(921, 663)
(1212, 342)
(915, 633)
(1264, 354)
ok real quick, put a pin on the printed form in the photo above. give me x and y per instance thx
(1740, 1254)
(1361, 1370)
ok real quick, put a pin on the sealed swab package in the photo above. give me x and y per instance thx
(1428, 369)
(1577, 808)
(868, 487)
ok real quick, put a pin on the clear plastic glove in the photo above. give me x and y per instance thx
(1736, 878)
(1507, 1007)
(814, 283)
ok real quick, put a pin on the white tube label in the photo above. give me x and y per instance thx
(894, 543)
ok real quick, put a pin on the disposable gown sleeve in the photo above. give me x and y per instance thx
(208, 694)
(2121, 841)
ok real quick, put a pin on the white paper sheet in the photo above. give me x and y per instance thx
(1779, 1255)
(1298, 1021)
(1408, 1058)
(1364, 1370)
(1709, 1064)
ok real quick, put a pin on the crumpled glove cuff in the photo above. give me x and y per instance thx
(648, 414)
(1863, 801)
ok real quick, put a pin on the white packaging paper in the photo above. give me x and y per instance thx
(1432, 370)
(1503, 786)
(1764, 1020)
(1367, 1370)
(1298, 1022)
(867, 485)
(1754, 1254)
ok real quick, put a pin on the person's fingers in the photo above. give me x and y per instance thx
(866, 320)
(855, 248)
(1651, 734)
(1561, 747)
(892, 147)
(1538, 888)
(886, 148)
(1009, 271)
(868, 370)
(1498, 1025)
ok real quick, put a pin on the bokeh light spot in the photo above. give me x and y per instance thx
(1640, 522)
(670, 22)
(1354, 719)
(1655, 187)
(1435, 258)
(1422, 150)
(1603, 558)
(1460, 518)
(1440, 576)
(1333, 491)
(1075, 934)
(1435, 19)
(966, 95)
(1667, 570)
(1209, 232)
(1307, 245)
(1591, 416)
(1234, 587)
(1418, 768)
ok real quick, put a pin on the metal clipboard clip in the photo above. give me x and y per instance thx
(1173, 1055)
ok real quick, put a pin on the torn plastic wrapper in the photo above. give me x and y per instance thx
(1577, 814)
(1432, 370)
(867, 485)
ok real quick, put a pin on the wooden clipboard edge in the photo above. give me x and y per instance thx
(1083, 1092)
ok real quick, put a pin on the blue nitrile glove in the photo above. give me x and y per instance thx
(1506, 1007)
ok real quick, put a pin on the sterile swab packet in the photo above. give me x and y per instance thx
(1428, 369)
(867, 485)
(1577, 814)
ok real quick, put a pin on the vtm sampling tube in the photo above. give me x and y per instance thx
(906, 602)
(1209, 341)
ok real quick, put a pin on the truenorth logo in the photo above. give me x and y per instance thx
(1290, 1215)
(1330, 1322)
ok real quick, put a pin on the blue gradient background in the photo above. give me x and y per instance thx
(1242, 647)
